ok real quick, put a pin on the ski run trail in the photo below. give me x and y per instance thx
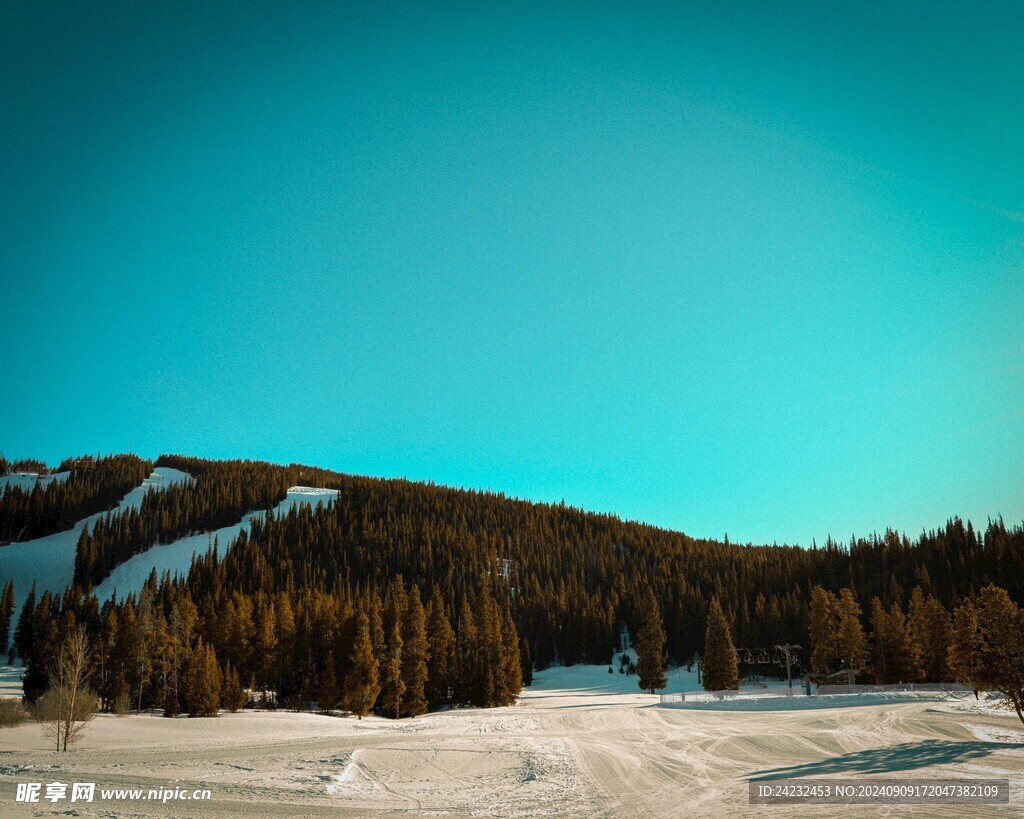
(49, 561)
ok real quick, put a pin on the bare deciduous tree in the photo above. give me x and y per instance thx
(69, 704)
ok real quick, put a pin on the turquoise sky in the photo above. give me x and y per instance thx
(751, 268)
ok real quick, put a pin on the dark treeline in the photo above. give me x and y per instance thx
(94, 485)
(980, 643)
(900, 645)
(190, 647)
(27, 465)
(561, 583)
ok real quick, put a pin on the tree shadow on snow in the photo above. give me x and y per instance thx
(905, 757)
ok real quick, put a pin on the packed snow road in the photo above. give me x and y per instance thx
(585, 751)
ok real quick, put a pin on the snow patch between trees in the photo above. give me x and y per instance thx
(29, 480)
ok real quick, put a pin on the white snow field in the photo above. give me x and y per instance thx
(600, 748)
(10, 680)
(50, 561)
(28, 480)
(176, 557)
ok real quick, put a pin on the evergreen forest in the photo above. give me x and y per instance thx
(400, 597)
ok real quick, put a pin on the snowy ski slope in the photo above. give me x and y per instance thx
(50, 561)
(176, 557)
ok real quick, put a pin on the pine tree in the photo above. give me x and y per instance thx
(24, 636)
(266, 643)
(881, 652)
(392, 686)
(897, 659)
(415, 655)
(852, 643)
(328, 694)
(466, 648)
(375, 613)
(721, 666)
(345, 636)
(441, 658)
(907, 659)
(163, 655)
(930, 628)
(987, 652)
(965, 650)
(105, 662)
(234, 697)
(362, 684)
(285, 655)
(822, 629)
(202, 682)
(915, 617)
(121, 652)
(181, 625)
(650, 645)
(489, 665)
(6, 613)
(510, 671)
(142, 643)
(43, 633)
(526, 662)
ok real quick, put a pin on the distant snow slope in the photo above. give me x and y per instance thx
(28, 480)
(50, 560)
(595, 679)
(10, 679)
(176, 557)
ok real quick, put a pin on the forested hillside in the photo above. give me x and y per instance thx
(93, 485)
(575, 576)
(335, 603)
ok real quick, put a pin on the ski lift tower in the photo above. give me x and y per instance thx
(788, 652)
